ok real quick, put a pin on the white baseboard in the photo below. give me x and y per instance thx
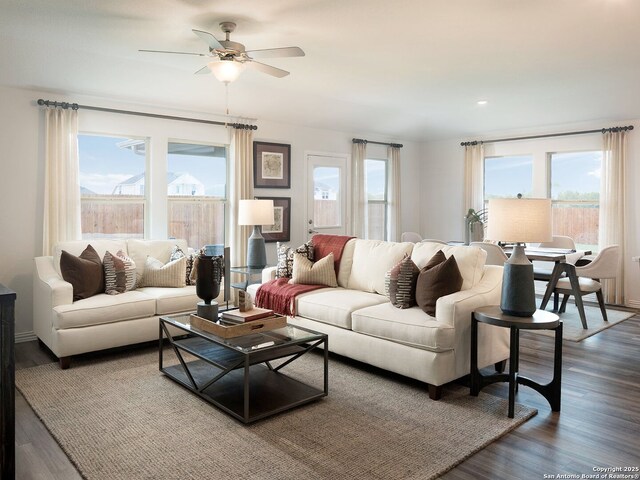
(25, 337)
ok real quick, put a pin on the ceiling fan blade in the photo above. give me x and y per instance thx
(203, 70)
(176, 53)
(209, 39)
(276, 52)
(268, 69)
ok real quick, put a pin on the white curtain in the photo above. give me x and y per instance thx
(473, 177)
(241, 189)
(612, 208)
(359, 201)
(394, 222)
(61, 184)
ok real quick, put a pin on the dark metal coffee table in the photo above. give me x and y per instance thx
(236, 374)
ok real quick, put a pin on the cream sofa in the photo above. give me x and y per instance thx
(103, 321)
(362, 324)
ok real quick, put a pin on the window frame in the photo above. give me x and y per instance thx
(384, 202)
(130, 199)
(485, 200)
(200, 199)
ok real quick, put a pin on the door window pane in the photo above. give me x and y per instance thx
(326, 197)
(196, 192)
(112, 186)
(376, 194)
(575, 195)
(507, 176)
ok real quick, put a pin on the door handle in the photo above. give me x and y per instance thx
(312, 231)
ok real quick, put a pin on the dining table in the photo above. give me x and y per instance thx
(564, 263)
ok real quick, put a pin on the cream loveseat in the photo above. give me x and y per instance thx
(362, 323)
(103, 321)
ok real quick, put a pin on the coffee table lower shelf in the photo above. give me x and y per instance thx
(270, 392)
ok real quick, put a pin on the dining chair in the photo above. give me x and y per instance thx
(542, 270)
(434, 240)
(410, 237)
(495, 253)
(604, 265)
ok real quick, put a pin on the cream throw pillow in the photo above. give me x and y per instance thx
(307, 272)
(157, 274)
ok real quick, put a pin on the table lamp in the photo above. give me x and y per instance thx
(256, 213)
(519, 220)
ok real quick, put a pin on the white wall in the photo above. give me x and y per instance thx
(443, 177)
(22, 173)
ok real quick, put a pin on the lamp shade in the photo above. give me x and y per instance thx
(226, 71)
(256, 212)
(520, 220)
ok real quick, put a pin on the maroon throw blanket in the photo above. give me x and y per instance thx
(279, 295)
(323, 245)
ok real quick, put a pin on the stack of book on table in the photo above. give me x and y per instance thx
(247, 316)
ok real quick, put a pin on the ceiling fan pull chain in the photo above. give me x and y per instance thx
(226, 92)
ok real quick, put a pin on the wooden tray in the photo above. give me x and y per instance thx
(228, 329)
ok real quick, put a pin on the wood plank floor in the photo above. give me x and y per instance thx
(599, 425)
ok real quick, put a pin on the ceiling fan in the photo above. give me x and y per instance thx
(228, 58)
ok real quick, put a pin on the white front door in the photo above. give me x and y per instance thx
(327, 196)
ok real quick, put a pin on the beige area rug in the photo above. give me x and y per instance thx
(118, 418)
(572, 329)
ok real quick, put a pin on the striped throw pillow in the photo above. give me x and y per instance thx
(321, 272)
(158, 274)
(119, 273)
(177, 253)
(400, 283)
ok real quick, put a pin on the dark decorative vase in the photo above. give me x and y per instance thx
(209, 273)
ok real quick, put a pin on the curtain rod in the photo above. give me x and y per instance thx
(603, 130)
(360, 140)
(75, 106)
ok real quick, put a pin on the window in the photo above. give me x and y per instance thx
(197, 193)
(326, 197)
(112, 186)
(507, 176)
(574, 187)
(376, 194)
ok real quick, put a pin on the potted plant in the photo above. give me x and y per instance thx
(474, 225)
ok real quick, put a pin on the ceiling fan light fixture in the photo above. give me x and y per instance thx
(226, 71)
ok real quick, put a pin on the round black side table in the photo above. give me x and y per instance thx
(540, 320)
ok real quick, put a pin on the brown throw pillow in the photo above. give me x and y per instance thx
(84, 273)
(438, 278)
(400, 283)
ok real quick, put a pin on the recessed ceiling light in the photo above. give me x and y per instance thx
(482, 102)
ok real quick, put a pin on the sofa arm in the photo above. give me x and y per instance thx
(457, 307)
(48, 287)
(269, 274)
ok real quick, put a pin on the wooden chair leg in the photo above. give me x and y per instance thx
(601, 303)
(556, 297)
(500, 366)
(563, 306)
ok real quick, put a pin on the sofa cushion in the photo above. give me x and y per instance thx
(84, 273)
(103, 308)
(371, 261)
(470, 260)
(119, 273)
(335, 305)
(284, 268)
(176, 253)
(139, 250)
(171, 274)
(346, 262)
(400, 283)
(307, 272)
(440, 277)
(410, 327)
(76, 247)
(172, 300)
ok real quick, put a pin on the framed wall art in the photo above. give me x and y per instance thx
(271, 165)
(280, 231)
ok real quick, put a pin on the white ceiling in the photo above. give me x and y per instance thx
(405, 69)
